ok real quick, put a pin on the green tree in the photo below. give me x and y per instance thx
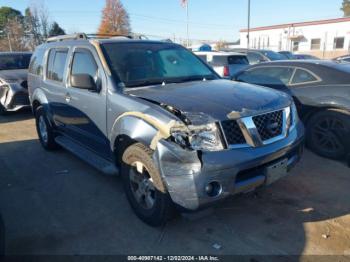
(55, 30)
(346, 8)
(8, 13)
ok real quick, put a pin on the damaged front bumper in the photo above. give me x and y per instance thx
(14, 97)
(190, 175)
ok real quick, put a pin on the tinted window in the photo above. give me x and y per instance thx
(36, 64)
(84, 63)
(267, 76)
(302, 76)
(273, 56)
(14, 61)
(56, 64)
(148, 63)
(339, 42)
(230, 60)
(255, 58)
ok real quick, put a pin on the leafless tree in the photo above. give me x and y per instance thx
(13, 39)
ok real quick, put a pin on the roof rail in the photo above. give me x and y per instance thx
(67, 37)
(83, 36)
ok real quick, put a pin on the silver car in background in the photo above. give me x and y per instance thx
(13, 81)
(226, 64)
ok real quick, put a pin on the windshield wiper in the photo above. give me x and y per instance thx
(193, 78)
(145, 83)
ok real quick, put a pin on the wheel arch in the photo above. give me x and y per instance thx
(128, 130)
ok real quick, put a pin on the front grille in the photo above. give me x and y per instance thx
(269, 125)
(232, 132)
(20, 99)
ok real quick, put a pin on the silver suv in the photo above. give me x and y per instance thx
(153, 112)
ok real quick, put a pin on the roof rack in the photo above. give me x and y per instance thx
(83, 36)
(77, 36)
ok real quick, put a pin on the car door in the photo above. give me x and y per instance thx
(88, 107)
(54, 85)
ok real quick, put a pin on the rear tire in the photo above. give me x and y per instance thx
(143, 186)
(44, 130)
(327, 133)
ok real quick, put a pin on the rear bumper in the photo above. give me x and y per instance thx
(187, 173)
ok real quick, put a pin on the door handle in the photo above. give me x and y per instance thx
(68, 97)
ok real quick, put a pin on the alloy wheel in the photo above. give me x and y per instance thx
(43, 129)
(142, 186)
(327, 134)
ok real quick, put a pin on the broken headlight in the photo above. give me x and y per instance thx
(204, 137)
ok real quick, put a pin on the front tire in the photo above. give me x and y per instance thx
(2, 237)
(327, 133)
(44, 130)
(143, 186)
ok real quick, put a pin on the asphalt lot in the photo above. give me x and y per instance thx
(53, 203)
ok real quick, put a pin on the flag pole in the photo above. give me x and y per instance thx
(248, 35)
(188, 38)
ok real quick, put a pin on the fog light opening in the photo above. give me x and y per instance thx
(213, 189)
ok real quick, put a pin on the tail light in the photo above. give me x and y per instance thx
(226, 71)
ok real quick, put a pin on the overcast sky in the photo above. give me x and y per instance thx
(209, 19)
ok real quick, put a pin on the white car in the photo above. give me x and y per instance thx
(226, 64)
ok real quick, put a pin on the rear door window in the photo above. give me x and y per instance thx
(302, 76)
(36, 64)
(56, 64)
(238, 60)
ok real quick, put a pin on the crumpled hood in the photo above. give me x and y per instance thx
(19, 74)
(217, 99)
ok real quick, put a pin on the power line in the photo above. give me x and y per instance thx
(152, 18)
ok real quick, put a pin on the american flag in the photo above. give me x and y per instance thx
(184, 3)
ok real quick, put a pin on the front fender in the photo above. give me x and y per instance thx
(133, 127)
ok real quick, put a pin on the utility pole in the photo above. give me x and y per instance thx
(9, 40)
(248, 35)
(188, 34)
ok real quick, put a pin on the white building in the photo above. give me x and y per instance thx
(324, 38)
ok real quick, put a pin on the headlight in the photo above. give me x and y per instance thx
(205, 137)
(294, 116)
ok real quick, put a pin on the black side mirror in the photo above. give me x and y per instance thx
(83, 81)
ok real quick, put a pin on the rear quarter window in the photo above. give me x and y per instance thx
(36, 63)
(302, 76)
(238, 60)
